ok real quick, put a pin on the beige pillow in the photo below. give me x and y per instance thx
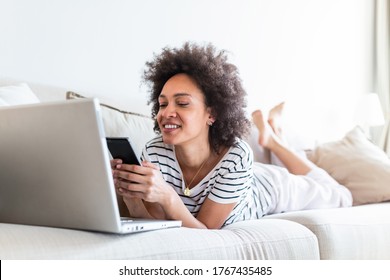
(119, 123)
(358, 164)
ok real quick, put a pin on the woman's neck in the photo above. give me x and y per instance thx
(194, 155)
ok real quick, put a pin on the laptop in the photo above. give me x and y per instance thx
(55, 169)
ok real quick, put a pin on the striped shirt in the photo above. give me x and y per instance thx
(231, 181)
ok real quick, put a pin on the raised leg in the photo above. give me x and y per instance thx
(268, 138)
(275, 119)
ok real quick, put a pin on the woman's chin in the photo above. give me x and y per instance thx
(168, 140)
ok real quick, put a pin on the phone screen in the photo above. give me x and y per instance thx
(121, 148)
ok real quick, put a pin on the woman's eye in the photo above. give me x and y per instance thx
(162, 105)
(183, 104)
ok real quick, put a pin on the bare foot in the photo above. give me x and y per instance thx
(275, 118)
(266, 135)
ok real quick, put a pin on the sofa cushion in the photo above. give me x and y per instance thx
(359, 232)
(358, 164)
(272, 240)
(259, 239)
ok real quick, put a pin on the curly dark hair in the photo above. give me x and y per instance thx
(217, 78)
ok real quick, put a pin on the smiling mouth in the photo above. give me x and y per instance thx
(171, 126)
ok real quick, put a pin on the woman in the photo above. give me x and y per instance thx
(198, 169)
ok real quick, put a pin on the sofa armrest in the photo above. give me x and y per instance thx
(359, 232)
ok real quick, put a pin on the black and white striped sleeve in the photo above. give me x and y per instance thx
(234, 177)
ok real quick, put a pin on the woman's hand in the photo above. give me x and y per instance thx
(144, 182)
(138, 204)
(135, 206)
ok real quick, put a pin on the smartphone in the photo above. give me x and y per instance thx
(120, 147)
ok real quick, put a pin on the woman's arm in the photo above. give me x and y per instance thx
(139, 208)
(212, 215)
(136, 208)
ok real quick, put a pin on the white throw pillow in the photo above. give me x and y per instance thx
(358, 164)
(3, 103)
(17, 95)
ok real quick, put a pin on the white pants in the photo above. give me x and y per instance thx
(315, 190)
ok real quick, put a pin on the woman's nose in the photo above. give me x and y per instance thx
(169, 111)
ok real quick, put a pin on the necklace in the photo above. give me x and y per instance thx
(187, 191)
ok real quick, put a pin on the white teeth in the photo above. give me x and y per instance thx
(171, 126)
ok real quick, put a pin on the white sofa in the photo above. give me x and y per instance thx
(359, 232)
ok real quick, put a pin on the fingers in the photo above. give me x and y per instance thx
(127, 179)
(149, 164)
(131, 189)
(129, 172)
(115, 162)
(135, 181)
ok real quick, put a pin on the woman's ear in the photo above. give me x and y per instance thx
(210, 121)
(211, 118)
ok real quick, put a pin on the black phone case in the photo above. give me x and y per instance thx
(121, 148)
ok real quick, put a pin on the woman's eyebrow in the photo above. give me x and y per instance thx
(179, 94)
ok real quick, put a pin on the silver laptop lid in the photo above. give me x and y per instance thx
(54, 167)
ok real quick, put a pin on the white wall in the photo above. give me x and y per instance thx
(316, 54)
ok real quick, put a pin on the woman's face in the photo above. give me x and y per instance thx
(183, 115)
